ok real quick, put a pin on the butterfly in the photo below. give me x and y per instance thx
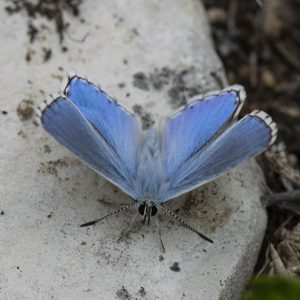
(201, 142)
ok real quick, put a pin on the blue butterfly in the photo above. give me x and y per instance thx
(197, 145)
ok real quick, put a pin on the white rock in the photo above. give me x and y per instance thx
(46, 193)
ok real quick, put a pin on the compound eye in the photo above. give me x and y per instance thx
(141, 208)
(153, 210)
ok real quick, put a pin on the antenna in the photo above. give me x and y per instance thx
(124, 208)
(171, 213)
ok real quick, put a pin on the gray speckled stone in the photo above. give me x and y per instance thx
(150, 55)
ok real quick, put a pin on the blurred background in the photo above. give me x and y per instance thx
(259, 45)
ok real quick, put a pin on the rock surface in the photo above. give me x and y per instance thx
(152, 56)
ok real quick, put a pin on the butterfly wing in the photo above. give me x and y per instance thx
(187, 132)
(69, 126)
(245, 139)
(117, 126)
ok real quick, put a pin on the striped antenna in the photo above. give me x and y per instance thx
(122, 209)
(171, 213)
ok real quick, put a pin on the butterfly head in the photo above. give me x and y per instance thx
(147, 209)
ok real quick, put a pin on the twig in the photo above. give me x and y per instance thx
(291, 196)
(290, 58)
(266, 263)
(278, 231)
(253, 68)
(231, 23)
(278, 264)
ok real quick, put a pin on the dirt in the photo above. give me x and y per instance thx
(47, 11)
(213, 214)
(175, 267)
(146, 118)
(25, 110)
(123, 294)
(51, 167)
(142, 292)
(177, 84)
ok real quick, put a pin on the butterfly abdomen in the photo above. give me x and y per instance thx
(149, 165)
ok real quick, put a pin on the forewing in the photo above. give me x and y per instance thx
(65, 122)
(245, 139)
(117, 126)
(191, 129)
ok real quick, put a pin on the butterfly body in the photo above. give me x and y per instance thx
(198, 144)
(149, 170)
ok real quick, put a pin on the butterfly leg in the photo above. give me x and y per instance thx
(128, 228)
(160, 236)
